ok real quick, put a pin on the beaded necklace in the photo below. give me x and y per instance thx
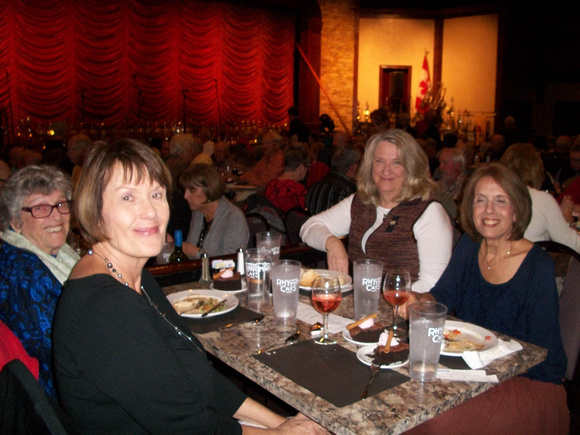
(177, 329)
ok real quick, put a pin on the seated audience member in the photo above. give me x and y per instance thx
(297, 130)
(452, 176)
(380, 120)
(287, 190)
(498, 280)
(5, 173)
(206, 154)
(338, 184)
(391, 217)
(11, 348)
(548, 219)
(317, 169)
(125, 361)
(77, 149)
(35, 260)
(270, 166)
(183, 147)
(217, 226)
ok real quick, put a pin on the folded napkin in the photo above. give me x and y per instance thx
(309, 315)
(465, 375)
(477, 360)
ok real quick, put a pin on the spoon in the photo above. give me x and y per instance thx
(290, 340)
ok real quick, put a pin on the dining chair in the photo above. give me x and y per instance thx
(25, 407)
(569, 309)
(293, 220)
(256, 223)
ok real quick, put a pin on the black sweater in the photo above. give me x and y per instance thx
(122, 368)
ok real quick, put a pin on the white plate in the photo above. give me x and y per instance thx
(231, 303)
(363, 355)
(472, 333)
(344, 288)
(225, 292)
(347, 337)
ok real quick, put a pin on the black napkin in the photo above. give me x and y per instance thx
(209, 324)
(331, 372)
(454, 362)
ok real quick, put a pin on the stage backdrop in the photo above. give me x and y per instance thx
(128, 62)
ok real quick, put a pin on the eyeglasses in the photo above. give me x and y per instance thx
(44, 210)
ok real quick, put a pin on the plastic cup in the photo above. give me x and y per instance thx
(270, 240)
(426, 321)
(367, 276)
(285, 277)
(258, 265)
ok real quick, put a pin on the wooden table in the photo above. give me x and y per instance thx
(391, 411)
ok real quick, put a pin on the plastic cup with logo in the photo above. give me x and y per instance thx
(285, 276)
(258, 265)
(426, 322)
(367, 276)
(270, 240)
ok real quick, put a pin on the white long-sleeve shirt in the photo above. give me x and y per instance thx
(432, 231)
(548, 222)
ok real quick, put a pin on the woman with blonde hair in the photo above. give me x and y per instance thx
(392, 217)
(550, 221)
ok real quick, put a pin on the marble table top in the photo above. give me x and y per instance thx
(390, 412)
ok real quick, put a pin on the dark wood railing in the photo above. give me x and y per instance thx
(190, 270)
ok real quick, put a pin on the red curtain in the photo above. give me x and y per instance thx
(117, 63)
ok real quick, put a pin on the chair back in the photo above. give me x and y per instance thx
(256, 223)
(293, 221)
(25, 407)
(567, 262)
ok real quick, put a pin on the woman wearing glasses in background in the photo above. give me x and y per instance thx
(35, 260)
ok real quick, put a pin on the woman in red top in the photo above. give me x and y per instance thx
(287, 191)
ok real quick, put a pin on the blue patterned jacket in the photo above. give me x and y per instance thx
(28, 297)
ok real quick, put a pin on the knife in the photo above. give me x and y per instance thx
(256, 319)
(215, 307)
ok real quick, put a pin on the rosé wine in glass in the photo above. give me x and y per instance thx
(326, 297)
(397, 291)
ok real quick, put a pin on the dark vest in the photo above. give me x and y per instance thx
(393, 242)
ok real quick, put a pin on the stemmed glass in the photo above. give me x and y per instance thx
(397, 291)
(326, 298)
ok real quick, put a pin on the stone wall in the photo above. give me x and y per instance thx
(338, 61)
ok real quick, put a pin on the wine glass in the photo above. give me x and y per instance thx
(326, 298)
(397, 291)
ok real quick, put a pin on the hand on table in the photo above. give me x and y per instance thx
(300, 424)
(337, 257)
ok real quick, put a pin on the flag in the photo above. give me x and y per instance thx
(424, 86)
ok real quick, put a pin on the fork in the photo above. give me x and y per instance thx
(374, 369)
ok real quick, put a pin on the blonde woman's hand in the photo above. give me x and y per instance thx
(337, 257)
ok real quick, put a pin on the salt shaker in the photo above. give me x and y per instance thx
(205, 280)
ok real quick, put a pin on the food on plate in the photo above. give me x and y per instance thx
(307, 277)
(456, 342)
(196, 304)
(366, 330)
(389, 350)
(227, 279)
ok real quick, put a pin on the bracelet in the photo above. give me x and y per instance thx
(571, 224)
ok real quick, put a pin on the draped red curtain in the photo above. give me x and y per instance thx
(119, 63)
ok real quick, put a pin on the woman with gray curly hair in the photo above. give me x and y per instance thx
(392, 217)
(35, 261)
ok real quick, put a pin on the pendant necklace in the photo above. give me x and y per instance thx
(177, 329)
(508, 252)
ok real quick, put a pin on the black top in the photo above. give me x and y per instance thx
(122, 368)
